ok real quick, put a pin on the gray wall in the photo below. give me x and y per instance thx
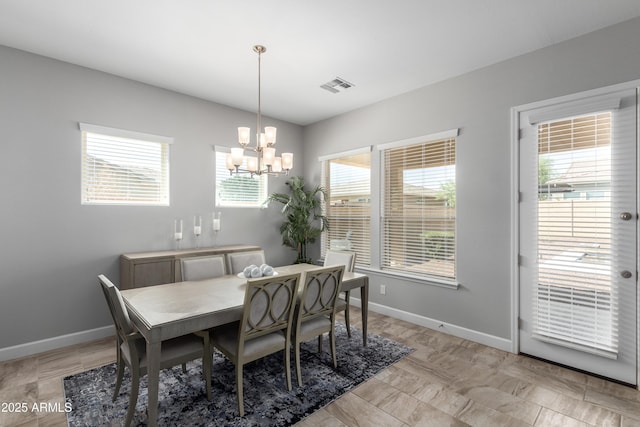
(54, 247)
(479, 104)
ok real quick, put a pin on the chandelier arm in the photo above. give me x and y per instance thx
(261, 172)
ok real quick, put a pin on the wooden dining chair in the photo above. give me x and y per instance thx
(265, 327)
(202, 267)
(131, 348)
(237, 261)
(348, 259)
(316, 310)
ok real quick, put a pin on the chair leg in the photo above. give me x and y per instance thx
(133, 398)
(297, 356)
(119, 377)
(287, 365)
(332, 341)
(207, 360)
(239, 389)
(320, 343)
(346, 313)
(184, 368)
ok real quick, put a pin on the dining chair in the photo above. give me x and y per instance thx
(348, 259)
(316, 310)
(202, 267)
(131, 348)
(265, 328)
(237, 261)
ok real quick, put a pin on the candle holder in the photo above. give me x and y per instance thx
(197, 229)
(216, 224)
(177, 232)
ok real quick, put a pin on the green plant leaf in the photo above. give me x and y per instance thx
(302, 210)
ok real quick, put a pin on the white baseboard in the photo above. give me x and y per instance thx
(458, 331)
(30, 348)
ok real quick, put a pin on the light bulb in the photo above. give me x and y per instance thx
(287, 161)
(252, 164)
(277, 165)
(244, 134)
(270, 135)
(268, 155)
(236, 155)
(230, 164)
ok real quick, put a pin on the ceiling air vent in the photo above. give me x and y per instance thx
(336, 85)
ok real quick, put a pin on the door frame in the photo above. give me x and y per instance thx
(515, 202)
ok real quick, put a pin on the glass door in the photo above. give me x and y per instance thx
(578, 236)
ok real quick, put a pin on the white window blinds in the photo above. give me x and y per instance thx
(241, 190)
(419, 207)
(124, 167)
(346, 179)
(575, 302)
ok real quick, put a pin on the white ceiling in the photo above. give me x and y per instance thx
(384, 47)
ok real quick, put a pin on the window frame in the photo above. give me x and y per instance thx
(90, 131)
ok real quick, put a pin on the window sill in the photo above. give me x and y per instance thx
(431, 281)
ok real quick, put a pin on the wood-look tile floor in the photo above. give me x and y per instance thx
(446, 381)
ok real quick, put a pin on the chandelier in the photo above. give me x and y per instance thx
(264, 161)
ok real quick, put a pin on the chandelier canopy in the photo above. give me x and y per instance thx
(264, 161)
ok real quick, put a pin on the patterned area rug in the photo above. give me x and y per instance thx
(267, 402)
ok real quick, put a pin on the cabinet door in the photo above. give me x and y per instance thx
(152, 273)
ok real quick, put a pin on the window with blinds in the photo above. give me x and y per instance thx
(241, 190)
(419, 207)
(347, 182)
(574, 301)
(124, 167)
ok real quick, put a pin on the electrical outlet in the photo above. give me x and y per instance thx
(383, 290)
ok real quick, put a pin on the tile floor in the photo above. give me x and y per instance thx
(447, 381)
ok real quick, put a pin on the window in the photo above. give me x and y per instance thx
(347, 180)
(124, 167)
(419, 206)
(242, 190)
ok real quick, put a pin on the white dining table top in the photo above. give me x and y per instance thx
(176, 301)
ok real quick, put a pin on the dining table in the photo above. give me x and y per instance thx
(162, 312)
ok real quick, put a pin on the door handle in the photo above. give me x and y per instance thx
(626, 216)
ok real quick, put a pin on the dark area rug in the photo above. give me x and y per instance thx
(182, 397)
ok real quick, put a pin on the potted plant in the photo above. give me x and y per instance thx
(304, 221)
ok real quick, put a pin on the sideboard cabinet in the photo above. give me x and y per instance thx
(155, 268)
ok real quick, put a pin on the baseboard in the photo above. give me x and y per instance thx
(458, 331)
(30, 348)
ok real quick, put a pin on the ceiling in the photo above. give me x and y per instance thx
(384, 48)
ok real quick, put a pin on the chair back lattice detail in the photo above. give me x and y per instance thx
(320, 292)
(269, 305)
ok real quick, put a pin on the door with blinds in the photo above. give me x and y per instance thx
(578, 234)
